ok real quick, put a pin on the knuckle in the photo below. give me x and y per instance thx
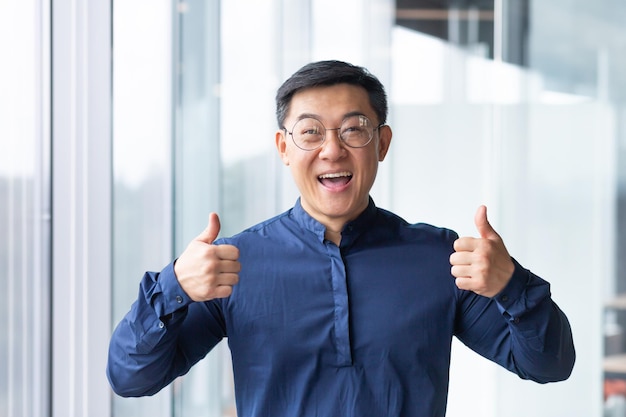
(482, 268)
(209, 268)
(207, 295)
(210, 292)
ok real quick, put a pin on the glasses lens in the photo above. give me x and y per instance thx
(356, 131)
(308, 134)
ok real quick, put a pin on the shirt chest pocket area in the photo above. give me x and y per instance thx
(285, 313)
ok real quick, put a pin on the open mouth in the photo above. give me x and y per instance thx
(335, 179)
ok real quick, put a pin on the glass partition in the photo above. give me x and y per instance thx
(25, 212)
(197, 174)
(142, 162)
(510, 104)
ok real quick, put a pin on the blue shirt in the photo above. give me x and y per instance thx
(363, 329)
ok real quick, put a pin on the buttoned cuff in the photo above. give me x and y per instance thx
(514, 288)
(172, 301)
(523, 292)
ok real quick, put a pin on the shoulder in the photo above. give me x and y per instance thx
(414, 231)
(262, 230)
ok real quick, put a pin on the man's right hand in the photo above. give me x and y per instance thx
(206, 271)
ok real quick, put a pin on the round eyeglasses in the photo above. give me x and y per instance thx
(355, 131)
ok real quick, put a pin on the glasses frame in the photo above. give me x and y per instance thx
(336, 128)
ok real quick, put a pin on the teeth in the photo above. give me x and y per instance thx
(336, 175)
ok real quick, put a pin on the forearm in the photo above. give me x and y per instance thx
(142, 351)
(547, 355)
(149, 347)
(142, 355)
(522, 329)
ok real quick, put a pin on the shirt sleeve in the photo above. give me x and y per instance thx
(521, 328)
(161, 337)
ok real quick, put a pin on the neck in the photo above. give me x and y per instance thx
(333, 235)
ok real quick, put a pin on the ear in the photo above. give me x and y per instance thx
(384, 141)
(281, 146)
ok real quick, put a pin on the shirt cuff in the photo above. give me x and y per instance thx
(514, 288)
(523, 293)
(172, 299)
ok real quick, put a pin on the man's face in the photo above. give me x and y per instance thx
(334, 180)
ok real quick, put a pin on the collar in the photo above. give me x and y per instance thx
(351, 230)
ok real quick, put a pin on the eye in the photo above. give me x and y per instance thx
(353, 129)
(355, 125)
(312, 130)
(309, 129)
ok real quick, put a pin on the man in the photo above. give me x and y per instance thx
(337, 307)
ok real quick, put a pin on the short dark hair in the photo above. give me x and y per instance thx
(327, 73)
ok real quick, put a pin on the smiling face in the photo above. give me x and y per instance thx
(334, 180)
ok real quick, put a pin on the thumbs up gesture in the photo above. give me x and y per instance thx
(482, 264)
(206, 271)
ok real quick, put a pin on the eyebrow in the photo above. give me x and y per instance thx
(317, 117)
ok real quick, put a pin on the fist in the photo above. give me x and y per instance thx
(483, 264)
(206, 271)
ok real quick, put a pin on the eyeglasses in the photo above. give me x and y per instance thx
(356, 131)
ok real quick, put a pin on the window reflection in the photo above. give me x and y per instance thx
(471, 24)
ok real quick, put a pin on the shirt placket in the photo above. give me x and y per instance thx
(341, 310)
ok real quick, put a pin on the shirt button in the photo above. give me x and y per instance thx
(516, 320)
(504, 298)
(161, 325)
(179, 299)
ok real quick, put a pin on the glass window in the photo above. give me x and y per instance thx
(197, 176)
(142, 162)
(472, 24)
(499, 102)
(24, 210)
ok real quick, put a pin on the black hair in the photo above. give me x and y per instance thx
(327, 73)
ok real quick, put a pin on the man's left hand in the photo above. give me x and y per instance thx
(482, 265)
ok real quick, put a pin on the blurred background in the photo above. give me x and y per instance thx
(124, 123)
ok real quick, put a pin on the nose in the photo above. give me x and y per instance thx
(332, 148)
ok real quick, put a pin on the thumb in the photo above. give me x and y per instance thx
(482, 224)
(209, 234)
